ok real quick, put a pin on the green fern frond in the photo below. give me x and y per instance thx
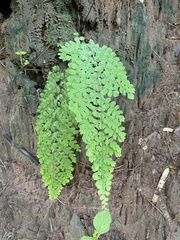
(55, 129)
(94, 77)
(83, 94)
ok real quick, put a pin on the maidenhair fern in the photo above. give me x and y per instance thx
(55, 128)
(93, 79)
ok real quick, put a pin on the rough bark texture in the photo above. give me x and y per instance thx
(144, 34)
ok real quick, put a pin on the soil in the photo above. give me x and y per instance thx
(27, 213)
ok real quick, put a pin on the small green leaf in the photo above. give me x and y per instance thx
(21, 53)
(130, 95)
(116, 93)
(88, 238)
(102, 222)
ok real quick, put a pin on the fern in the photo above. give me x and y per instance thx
(93, 79)
(56, 143)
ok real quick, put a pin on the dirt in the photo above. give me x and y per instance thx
(26, 211)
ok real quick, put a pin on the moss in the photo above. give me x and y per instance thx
(150, 78)
(68, 27)
(33, 28)
(167, 7)
(138, 15)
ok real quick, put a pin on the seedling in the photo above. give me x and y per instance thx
(24, 62)
(101, 222)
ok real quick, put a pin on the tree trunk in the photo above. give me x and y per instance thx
(144, 35)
